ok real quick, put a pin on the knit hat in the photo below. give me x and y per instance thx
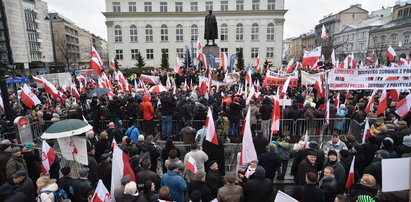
(210, 163)
(230, 177)
(313, 144)
(332, 152)
(384, 154)
(29, 145)
(15, 150)
(141, 138)
(259, 172)
(312, 153)
(387, 142)
(236, 99)
(365, 198)
(172, 166)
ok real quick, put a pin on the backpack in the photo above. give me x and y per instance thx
(59, 196)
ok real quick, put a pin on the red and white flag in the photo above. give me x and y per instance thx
(191, 165)
(47, 157)
(337, 101)
(290, 66)
(315, 66)
(257, 63)
(224, 62)
(113, 64)
(324, 35)
(37, 80)
(28, 97)
(350, 180)
(327, 113)
(366, 132)
(248, 153)
(404, 61)
(306, 139)
(395, 94)
(101, 194)
(333, 61)
(370, 101)
(211, 134)
(285, 87)
(391, 54)
(382, 105)
(120, 167)
(275, 117)
(352, 61)
(310, 58)
(50, 88)
(370, 59)
(113, 143)
(403, 106)
(74, 91)
(177, 67)
(96, 63)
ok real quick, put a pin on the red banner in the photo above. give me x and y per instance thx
(274, 79)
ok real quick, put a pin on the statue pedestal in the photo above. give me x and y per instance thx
(213, 49)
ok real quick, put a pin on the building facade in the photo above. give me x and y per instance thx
(153, 26)
(30, 35)
(296, 49)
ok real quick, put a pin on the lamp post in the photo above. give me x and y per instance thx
(49, 17)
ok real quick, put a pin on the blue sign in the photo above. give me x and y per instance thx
(232, 60)
(212, 60)
(17, 80)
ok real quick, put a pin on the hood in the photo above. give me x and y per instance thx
(146, 98)
(259, 172)
(50, 187)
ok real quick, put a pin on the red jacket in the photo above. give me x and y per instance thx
(147, 108)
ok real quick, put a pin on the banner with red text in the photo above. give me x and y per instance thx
(275, 79)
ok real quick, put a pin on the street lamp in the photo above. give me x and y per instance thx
(49, 17)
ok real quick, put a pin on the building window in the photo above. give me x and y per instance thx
(270, 4)
(132, 7)
(180, 52)
(239, 32)
(270, 52)
(116, 7)
(118, 34)
(394, 40)
(194, 6)
(399, 14)
(119, 54)
(149, 54)
(240, 5)
(194, 32)
(148, 7)
(256, 5)
(254, 52)
(209, 5)
(164, 51)
(405, 13)
(133, 33)
(224, 5)
(270, 32)
(406, 38)
(254, 32)
(224, 50)
(163, 6)
(149, 33)
(134, 53)
(383, 40)
(179, 33)
(224, 32)
(237, 50)
(179, 6)
(164, 33)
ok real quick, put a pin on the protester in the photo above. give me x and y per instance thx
(258, 188)
(175, 183)
(230, 192)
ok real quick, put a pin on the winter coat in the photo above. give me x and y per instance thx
(176, 160)
(67, 184)
(133, 133)
(253, 113)
(266, 109)
(82, 188)
(133, 198)
(214, 181)
(114, 108)
(154, 153)
(92, 165)
(102, 145)
(230, 193)
(8, 193)
(206, 194)
(300, 156)
(104, 173)
(146, 108)
(215, 152)
(374, 169)
(234, 113)
(260, 143)
(4, 158)
(46, 193)
(188, 133)
(339, 174)
(270, 161)
(33, 163)
(312, 194)
(167, 106)
(27, 187)
(340, 124)
(176, 184)
(258, 189)
(200, 157)
(130, 149)
(359, 189)
(145, 175)
(329, 186)
(14, 164)
(303, 168)
(340, 145)
(284, 150)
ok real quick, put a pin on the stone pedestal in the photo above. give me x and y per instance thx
(213, 49)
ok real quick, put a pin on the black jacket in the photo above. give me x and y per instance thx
(234, 113)
(266, 109)
(214, 181)
(270, 161)
(312, 194)
(167, 106)
(145, 175)
(206, 195)
(102, 146)
(359, 189)
(258, 189)
(92, 165)
(260, 143)
(329, 187)
(82, 188)
(67, 184)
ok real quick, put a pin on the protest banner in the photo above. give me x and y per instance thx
(274, 79)
(353, 84)
(391, 179)
(310, 79)
(376, 72)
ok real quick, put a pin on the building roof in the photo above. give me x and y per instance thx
(394, 24)
(370, 22)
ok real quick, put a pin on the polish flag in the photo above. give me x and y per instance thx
(186, 87)
(333, 61)
(101, 194)
(376, 63)
(311, 57)
(366, 132)
(113, 143)
(199, 47)
(350, 179)
(37, 80)
(96, 63)
(315, 66)
(327, 113)
(191, 84)
(286, 83)
(382, 105)
(62, 96)
(337, 101)
(191, 165)
(47, 157)
(395, 94)
(290, 66)
(248, 153)
(391, 54)
(257, 62)
(404, 61)
(74, 91)
(275, 117)
(143, 85)
(352, 61)
(82, 88)
(403, 106)
(211, 134)
(120, 167)
(306, 139)
(224, 62)
(113, 64)
(370, 59)
(370, 101)
(50, 88)
(324, 33)
(177, 68)
(28, 97)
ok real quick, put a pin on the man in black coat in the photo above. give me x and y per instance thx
(102, 146)
(310, 193)
(302, 154)
(82, 186)
(234, 118)
(199, 184)
(168, 104)
(104, 170)
(67, 182)
(265, 111)
(214, 179)
(149, 149)
(147, 175)
(92, 165)
(260, 143)
(270, 161)
(115, 111)
(259, 188)
(215, 153)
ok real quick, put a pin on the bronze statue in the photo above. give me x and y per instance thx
(210, 28)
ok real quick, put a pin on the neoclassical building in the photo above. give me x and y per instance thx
(153, 26)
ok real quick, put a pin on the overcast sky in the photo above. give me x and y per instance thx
(302, 15)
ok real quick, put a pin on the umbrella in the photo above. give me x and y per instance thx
(97, 92)
(158, 88)
(66, 128)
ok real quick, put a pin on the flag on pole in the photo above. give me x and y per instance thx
(370, 101)
(47, 157)
(275, 116)
(324, 33)
(120, 167)
(290, 66)
(211, 134)
(337, 101)
(333, 61)
(391, 54)
(350, 179)
(191, 165)
(366, 132)
(403, 106)
(224, 62)
(113, 64)
(248, 153)
(306, 139)
(96, 63)
(327, 113)
(50, 88)
(101, 193)
(177, 67)
(28, 97)
(286, 83)
(382, 105)
(311, 57)
(257, 62)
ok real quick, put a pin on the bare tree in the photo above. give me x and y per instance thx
(67, 52)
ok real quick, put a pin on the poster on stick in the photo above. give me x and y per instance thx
(275, 79)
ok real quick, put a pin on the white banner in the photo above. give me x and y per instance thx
(67, 145)
(351, 85)
(376, 72)
(391, 179)
(309, 79)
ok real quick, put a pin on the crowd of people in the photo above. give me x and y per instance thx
(319, 169)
